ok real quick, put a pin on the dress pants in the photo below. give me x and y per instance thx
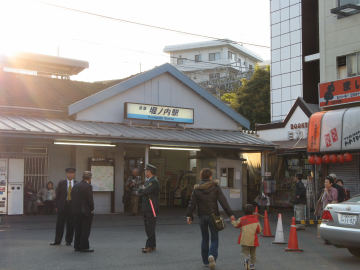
(82, 231)
(65, 217)
(150, 224)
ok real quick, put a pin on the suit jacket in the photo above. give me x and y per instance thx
(82, 199)
(150, 190)
(61, 194)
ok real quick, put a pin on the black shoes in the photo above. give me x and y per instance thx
(86, 250)
(68, 244)
(54, 244)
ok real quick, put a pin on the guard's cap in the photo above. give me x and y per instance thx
(150, 167)
(70, 170)
(87, 174)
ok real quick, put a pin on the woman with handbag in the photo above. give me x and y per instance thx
(205, 198)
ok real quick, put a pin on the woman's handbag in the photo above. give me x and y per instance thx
(218, 222)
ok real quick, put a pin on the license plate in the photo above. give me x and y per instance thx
(347, 219)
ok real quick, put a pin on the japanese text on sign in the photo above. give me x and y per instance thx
(339, 92)
(159, 113)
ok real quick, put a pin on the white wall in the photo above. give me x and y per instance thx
(162, 90)
(338, 37)
(281, 134)
(286, 56)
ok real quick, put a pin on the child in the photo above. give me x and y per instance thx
(248, 239)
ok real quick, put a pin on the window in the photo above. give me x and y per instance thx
(214, 76)
(251, 67)
(345, 2)
(198, 58)
(214, 56)
(348, 65)
(227, 177)
(231, 56)
(180, 61)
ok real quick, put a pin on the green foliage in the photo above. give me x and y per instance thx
(252, 99)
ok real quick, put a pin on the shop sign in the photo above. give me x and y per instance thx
(339, 92)
(159, 113)
(299, 125)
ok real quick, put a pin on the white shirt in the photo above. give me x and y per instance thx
(71, 182)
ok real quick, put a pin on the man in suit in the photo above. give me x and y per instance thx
(150, 206)
(83, 208)
(63, 208)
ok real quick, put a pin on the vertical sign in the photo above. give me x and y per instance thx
(314, 132)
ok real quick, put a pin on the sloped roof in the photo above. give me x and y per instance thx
(43, 93)
(212, 43)
(54, 128)
(146, 76)
(307, 108)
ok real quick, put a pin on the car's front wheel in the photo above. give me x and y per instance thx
(355, 251)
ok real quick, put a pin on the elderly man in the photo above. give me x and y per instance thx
(83, 208)
(150, 206)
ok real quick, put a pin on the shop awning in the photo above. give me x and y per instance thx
(55, 128)
(334, 131)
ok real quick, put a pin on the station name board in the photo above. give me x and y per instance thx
(339, 92)
(159, 113)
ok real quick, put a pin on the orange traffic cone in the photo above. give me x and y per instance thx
(293, 240)
(267, 230)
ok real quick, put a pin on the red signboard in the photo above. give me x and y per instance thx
(339, 92)
(314, 132)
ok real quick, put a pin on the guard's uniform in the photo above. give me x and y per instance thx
(150, 191)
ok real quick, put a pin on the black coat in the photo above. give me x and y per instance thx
(300, 193)
(82, 199)
(206, 197)
(61, 194)
(150, 190)
(341, 192)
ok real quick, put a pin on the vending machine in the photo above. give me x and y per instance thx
(16, 186)
(3, 185)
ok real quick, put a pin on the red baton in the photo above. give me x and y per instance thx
(152, 207)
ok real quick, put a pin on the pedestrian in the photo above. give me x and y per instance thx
(30, 198)
(248, 239)
(340, 183)
(132, 185)
(63, 209)
(150, 206)
(47, 197)
(83, 210)
(205, 198)
(300, 201)
(340, 189)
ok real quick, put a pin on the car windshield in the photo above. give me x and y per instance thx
(355, 199)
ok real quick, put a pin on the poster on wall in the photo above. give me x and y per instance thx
(103, 178)
(235, 194)
(3, 185)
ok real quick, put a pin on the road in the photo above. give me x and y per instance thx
(24, 244)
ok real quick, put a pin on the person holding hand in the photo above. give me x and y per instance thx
(205, 198)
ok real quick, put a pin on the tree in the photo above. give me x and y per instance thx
(252, 98)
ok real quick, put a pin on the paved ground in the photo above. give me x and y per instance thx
(117, 240)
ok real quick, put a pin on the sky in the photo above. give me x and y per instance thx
(115, 49)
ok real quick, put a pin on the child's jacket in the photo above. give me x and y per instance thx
(250, 228)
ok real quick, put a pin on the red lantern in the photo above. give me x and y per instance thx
(311, 159)
(318, 160)
(333, 158)
(348, 157)
(326, 159)
(340, 158)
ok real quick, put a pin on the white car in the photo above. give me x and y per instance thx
(341, 225)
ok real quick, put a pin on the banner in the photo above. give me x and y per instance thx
(314, 132)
